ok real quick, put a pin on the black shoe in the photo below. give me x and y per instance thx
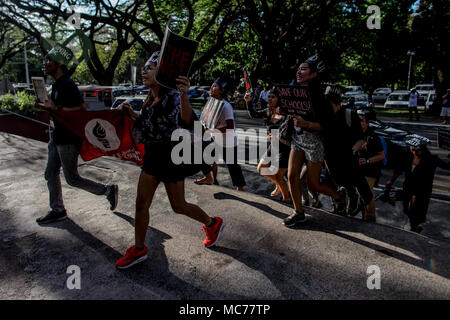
(340, 206)
(52, 216)
(293, 219)
(113, 196)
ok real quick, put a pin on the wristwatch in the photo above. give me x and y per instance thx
(367, 161)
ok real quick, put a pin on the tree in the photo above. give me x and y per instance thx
(127, 23)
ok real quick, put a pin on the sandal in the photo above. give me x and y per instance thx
(201, 182)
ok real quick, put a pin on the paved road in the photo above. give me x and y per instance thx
(330, 257)
(438, 219)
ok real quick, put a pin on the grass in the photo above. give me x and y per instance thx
(404, 114)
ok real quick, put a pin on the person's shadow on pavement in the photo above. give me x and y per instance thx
(153, 274)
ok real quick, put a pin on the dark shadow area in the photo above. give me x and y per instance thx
(154, 272)
(275, 270)
(260, 206)
(338, 225)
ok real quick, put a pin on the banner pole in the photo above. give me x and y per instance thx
(22, 116)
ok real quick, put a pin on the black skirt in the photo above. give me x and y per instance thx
(283, 155)
(158, 163)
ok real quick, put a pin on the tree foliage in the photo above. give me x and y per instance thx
(270, 37)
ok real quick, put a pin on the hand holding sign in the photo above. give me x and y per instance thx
(300, 122)
(177, 55)
(183, 85)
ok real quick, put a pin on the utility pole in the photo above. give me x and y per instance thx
(410, 54)
(26, 65)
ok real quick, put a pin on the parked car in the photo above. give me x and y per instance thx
(422, 91)
(362, 101)
(136, 102)
(381, 94)
(399, 99)
(353, 89)
(198, 94)
(347, 95)
(141, 90)
(122, 91)
(18, 87)
(430, 100)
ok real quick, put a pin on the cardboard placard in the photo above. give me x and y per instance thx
(443, 139)
(211, 113)
(39, 89)
(177, 55)
(294, 99)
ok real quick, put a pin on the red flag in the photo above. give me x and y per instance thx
(104, 133)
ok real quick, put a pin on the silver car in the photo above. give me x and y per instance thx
(381, 94)
(136, 102)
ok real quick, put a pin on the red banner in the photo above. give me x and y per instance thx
(104, 133)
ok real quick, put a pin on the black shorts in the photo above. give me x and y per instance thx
(158, 163)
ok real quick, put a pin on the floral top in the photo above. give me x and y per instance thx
(156, 124)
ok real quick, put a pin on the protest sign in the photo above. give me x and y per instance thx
(39, 89)
(211, 113)
(177, 54)
(294, 99)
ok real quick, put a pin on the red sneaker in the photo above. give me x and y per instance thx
(213, 233)
(132, 256)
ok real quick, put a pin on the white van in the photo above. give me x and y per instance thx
(423, 90)
(399, 99)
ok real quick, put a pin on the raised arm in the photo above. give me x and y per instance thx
(183, 85)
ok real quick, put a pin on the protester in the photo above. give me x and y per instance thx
(225, 135)
(271, 172)
(445, 112)
(370, 154)
(307, 144)
(64, 146)
(340, 137)
(413, 105)
(418, 183)
(264, 97)
(163, 112)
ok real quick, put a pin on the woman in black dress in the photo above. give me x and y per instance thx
(163, 112)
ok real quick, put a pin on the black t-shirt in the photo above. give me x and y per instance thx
(339, 136)
(372, 147)
(321, 111)
(65, 93)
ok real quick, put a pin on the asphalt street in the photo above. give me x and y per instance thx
(329, 257)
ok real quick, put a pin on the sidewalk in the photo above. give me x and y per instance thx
(257, 257)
